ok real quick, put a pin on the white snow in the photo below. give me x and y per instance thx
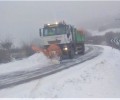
(36, 60)
(98, 77)
(96, 32)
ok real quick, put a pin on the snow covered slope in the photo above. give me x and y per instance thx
(94, 33)
(98, 77)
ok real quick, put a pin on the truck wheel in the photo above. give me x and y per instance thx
(83, 50)
(71, 53)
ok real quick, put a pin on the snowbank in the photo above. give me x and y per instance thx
(98, 77)
(36, 60)
(96, 32)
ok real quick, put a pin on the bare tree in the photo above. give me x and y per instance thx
(7, 44)
(5, 55)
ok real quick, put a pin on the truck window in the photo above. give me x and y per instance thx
(54, 31)
(49, 31)
(60, 30)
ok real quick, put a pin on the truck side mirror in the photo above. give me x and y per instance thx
(40, 32)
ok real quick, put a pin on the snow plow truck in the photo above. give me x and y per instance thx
(62, 40)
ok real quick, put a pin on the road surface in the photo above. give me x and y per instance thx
(20, 77)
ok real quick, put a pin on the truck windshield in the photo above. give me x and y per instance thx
(49, 31)
(54, 31)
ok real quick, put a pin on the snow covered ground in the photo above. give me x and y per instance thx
(37, 59)
(98, 77)
(96, 32)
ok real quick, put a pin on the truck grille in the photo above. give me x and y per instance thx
(57, 41)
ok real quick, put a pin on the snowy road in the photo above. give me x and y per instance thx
(20, 77)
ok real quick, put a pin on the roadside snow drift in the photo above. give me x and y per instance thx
(94, 33)
(36, 60)
(99, 77)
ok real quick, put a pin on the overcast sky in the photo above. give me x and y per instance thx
(21, 20)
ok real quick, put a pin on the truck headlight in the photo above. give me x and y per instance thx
(65, 48)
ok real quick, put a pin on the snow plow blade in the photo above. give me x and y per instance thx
(53, 52)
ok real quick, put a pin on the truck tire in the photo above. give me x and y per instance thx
(71, 53)
(83, 49)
